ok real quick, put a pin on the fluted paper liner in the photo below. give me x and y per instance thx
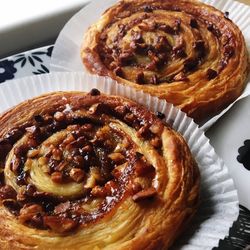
(66, 53)
(219, 200)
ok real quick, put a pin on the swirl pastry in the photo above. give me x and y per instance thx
(186, 52)
(91, 171)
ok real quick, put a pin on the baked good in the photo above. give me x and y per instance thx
(184, 51)
(92, 171)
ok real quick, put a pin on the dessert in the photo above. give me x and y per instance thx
(185, 52)
(92, 171)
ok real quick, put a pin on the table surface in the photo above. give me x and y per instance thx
(28, 24)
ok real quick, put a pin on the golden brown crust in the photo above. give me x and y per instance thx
(141, 198)
(186, 52)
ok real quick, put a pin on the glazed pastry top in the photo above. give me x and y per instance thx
(78, 167)
(186, 52)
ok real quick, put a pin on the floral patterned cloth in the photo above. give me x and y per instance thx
(24, 64)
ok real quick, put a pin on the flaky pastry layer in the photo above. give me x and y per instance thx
(92, 171)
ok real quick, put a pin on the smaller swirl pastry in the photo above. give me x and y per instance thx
(92, 171)
(184, 51)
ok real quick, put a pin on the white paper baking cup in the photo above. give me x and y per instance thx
(219, 200)
(66, 53)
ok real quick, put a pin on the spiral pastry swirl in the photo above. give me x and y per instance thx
(91, 171)
(186, 52)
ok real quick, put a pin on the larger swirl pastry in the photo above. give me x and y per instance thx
(91, 171)
(186, 52)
